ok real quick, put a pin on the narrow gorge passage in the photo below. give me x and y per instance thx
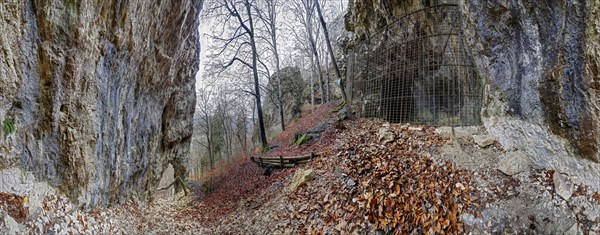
(299, 117)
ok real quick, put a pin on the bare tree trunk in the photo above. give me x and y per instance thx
(261, 122)
(327, 80)
(247, 27)
(279, 89)
(312, 90)
(227, 142)
(244, 131)
(312, 81)
(272, 23)
(313, 45)
(200, 171)
(320, 72)
(312, 86)
(318, 68)
(204, 103)
(245, 140)
(337, 70)
(254, 124)
(230, 141)
(240, 127)
(209, 143)
(240, 139)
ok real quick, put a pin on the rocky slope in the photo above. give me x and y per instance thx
(100, 94)
(540, 64)
(371, 177)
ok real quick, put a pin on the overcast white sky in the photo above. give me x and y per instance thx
(327, 5)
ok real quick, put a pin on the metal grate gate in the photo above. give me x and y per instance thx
(418, 71)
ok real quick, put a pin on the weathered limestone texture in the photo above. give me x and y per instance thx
(539, 61)
(541, 65)
(292, 88)
(101, 93)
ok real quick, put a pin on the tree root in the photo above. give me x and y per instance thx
(186, 189)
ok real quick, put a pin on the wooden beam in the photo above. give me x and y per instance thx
(308, 156)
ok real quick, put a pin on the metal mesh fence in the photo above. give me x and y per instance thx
(417, 70)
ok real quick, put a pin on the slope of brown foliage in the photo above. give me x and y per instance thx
(363, 183)
(318, 117)
(394, 187)
(224, 190)
(243, 179)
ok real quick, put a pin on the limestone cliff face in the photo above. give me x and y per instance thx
(292, 97)
(101, 93)
(540, 61)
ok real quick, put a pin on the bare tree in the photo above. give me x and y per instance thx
(205, 124)
(240, 123)
(268, 16)
(304, 11)
(242, 42)
(328, 41)
(309, 6)
(222, 110)
(301, 48)
(327, 80)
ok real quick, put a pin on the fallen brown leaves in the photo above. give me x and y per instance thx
(362, 183)
(284, 140)
(243, 179)
(394, 187)
(14, 205)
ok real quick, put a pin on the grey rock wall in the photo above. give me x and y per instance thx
(541, 65)
(292, 97)
(101, 93)
(539, 61)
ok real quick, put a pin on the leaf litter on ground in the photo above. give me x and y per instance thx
(396, 187)
(362, 184)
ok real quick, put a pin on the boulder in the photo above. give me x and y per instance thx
(301, 177)
(512, 163)
(385, 135)
(167, 178)
(465, 131)
(562, 185)
(484, 140)
(344, 113)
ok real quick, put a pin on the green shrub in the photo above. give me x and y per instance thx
(264, 149)
(8, 126)
(303, 139)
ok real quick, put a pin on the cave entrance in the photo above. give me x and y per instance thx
(417, 70)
